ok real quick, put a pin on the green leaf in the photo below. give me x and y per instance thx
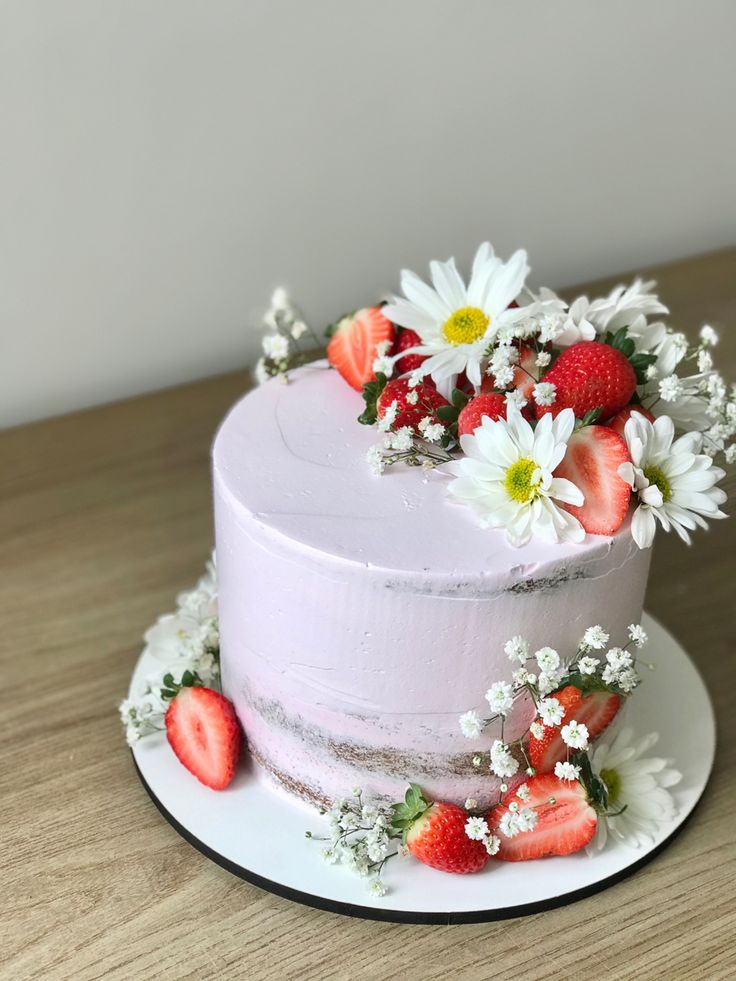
(168, 693)
(595, 788)
(371, 393)
(459, 399)
(590, 417)
(168, 679)
(447, 413)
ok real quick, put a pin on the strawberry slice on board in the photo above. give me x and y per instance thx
(353, 346)
(566, 820)
(591, 462)
(595, 709)
(204, 733)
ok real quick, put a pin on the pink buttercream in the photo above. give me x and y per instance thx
(360, 615)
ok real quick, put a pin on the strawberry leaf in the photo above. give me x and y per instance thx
(639, 360)
(371, 394)
(595, 788)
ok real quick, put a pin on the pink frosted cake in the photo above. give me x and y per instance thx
(432, 550)
(359, 617)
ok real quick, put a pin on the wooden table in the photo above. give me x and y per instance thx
(105, 515)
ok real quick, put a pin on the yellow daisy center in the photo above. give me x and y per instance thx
(655, 476)
(518, 482)
(466, 325)
(613, 782)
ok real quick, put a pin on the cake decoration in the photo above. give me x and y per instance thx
(568, 434)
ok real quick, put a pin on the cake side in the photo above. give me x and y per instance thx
(350, 663)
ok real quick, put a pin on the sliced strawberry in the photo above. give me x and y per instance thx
(491, 405)
(398, 390)
(409, 362)
(352, 347)
(203, 731)
(566, 821)
(621, 418)
(526, 373)
(590, 375)
(591, 462)
(435, 834)
(596, 710)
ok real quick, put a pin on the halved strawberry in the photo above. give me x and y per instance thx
(621, 418)
(526, 373)
(488, 404)
(596, 710)
(566, 821)
(352, 347)
(409, 362)
(591, 462)
(435, 834)
(398, 390)
(203, 731)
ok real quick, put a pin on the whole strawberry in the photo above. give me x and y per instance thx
(490, 405)
(409, 362)
(413, 403)
(618, 423)
(590, 375)
(435, 834)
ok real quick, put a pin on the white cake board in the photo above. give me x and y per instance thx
(256, 831)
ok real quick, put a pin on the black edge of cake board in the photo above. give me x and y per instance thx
(405, 916)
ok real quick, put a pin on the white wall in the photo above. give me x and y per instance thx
(165, 163)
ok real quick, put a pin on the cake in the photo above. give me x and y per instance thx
(432, 552)
(360, 616)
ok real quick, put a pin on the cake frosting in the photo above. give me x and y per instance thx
(359, 616)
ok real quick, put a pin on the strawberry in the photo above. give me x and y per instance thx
(621, 418)
(587, 376)
(435, 834)
(203, 731)
(352, 347)
(596, 709)
(526, 373)
(566, 820)
(398, 390)
(410, 362)
(489, 404)
(591, 462)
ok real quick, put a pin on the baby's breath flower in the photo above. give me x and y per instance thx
(588, 665)
(471, 804)
(500, 698)
(516, 649)
(670, 388)
(595, 638)
(476, 828)
(537, 730)
(637, 634)
(523, 791)
(376, 888)
(567, 771)
(708, 336)
(470, 724)
(492, 843)
(412, 397)
(551, 712)
(375, 459)
(575, 735)
(503, 764)
(548, 659)
(544, 393)
(618, 658)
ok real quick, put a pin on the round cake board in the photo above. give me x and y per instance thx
(256, 830)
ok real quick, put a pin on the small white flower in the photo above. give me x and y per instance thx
(618, 658)
(637, 634)
(261, 372)
(298, 328)
(275, 346)
(476, 828)
(430, 430)
(575, 735)
(527, 819)
(503, 763)
(471, 725)
(708, 336)
(548, 660)
(595, 638)
(537, 730)
(471, 804)
(628, 679)
(731, 453)
(509, 825)
(492, 843)
(523, 677)
(375, 459)
(544, 393)
(567, 771)
(500, 697)
(415, 378)
(588, 665)
(543, 359)
(402, 440)
(523, 792)
(705, 362)
(638, 788)
(551, 712)
(376, 888)
(547, 683)
(330, 856)
(383, 365)
(477, 761)
(670, 388)
(516, 649)
(412, 397)
(389, 417)
(368, 814)
(516, 397)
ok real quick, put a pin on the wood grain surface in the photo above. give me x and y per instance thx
(105, 515)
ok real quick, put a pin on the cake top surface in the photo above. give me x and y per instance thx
(293, 456)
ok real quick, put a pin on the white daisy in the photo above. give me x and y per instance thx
(506, 477)
(456, 322)
(631, 307)
(637, 788)
(674, 481)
